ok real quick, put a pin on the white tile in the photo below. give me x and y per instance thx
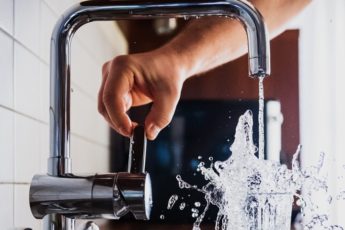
(44, 147)
(85, 120)
(113, 42)
(6, 206)
(6, 67)
(6, 145)
(102, 129)
(80, 113)
(26, 82)
(91, 34)
(27, 23)
(60, 6)
(22, 214)
(27, 149)
(89, 79)
(6, 15)
(47, 22)
(88, 157)
(44, 93)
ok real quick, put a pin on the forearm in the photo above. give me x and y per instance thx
(209, 42)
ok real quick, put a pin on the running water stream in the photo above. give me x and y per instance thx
(256, 194)
(261, 118)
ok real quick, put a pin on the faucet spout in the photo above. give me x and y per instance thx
(98, 10)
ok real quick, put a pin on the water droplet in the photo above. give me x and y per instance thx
(197, 204)
(182, 206)
(172, 201)
(182, 184)
(195, 215)
(162, 217)
(195, 210)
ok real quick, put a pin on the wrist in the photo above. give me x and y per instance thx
(180, 60)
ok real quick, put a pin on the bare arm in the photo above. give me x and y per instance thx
(157, 76)
(209, 42)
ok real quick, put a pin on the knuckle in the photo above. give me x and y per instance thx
(105, 67)
(120, 60)
(163, 121)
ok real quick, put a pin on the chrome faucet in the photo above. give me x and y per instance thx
(63, 196)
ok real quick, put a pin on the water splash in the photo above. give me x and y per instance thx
(252, 193)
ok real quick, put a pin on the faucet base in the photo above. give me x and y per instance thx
(108, 196)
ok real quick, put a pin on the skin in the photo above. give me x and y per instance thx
(157, 76)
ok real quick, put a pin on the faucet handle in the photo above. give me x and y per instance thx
(137, 150)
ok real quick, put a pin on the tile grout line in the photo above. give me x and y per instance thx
(41, 86)
(99, 144)
(15, 183)
(47, 123)
(24, 114)
(24, 46)
(13, 122)
(81, 90)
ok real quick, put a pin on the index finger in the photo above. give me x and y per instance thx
(117, 98)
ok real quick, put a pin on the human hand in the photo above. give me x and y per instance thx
(138, 79)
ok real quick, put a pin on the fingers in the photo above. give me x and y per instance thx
(113, 101)
(105, 72)
(161, 112)
(116, 98)
(118, 93)
(101, 107)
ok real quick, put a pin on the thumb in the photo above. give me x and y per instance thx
(161, 113)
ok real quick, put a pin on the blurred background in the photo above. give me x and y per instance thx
(303, 105)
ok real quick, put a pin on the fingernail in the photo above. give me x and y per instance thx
(153, 132)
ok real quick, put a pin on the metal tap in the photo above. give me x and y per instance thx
(65, 196)
(108, 196)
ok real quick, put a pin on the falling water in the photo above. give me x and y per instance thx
(261, 118)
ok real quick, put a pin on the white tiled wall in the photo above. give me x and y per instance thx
(25, 29)
(6, 66)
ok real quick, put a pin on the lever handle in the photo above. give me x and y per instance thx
(137, 150)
